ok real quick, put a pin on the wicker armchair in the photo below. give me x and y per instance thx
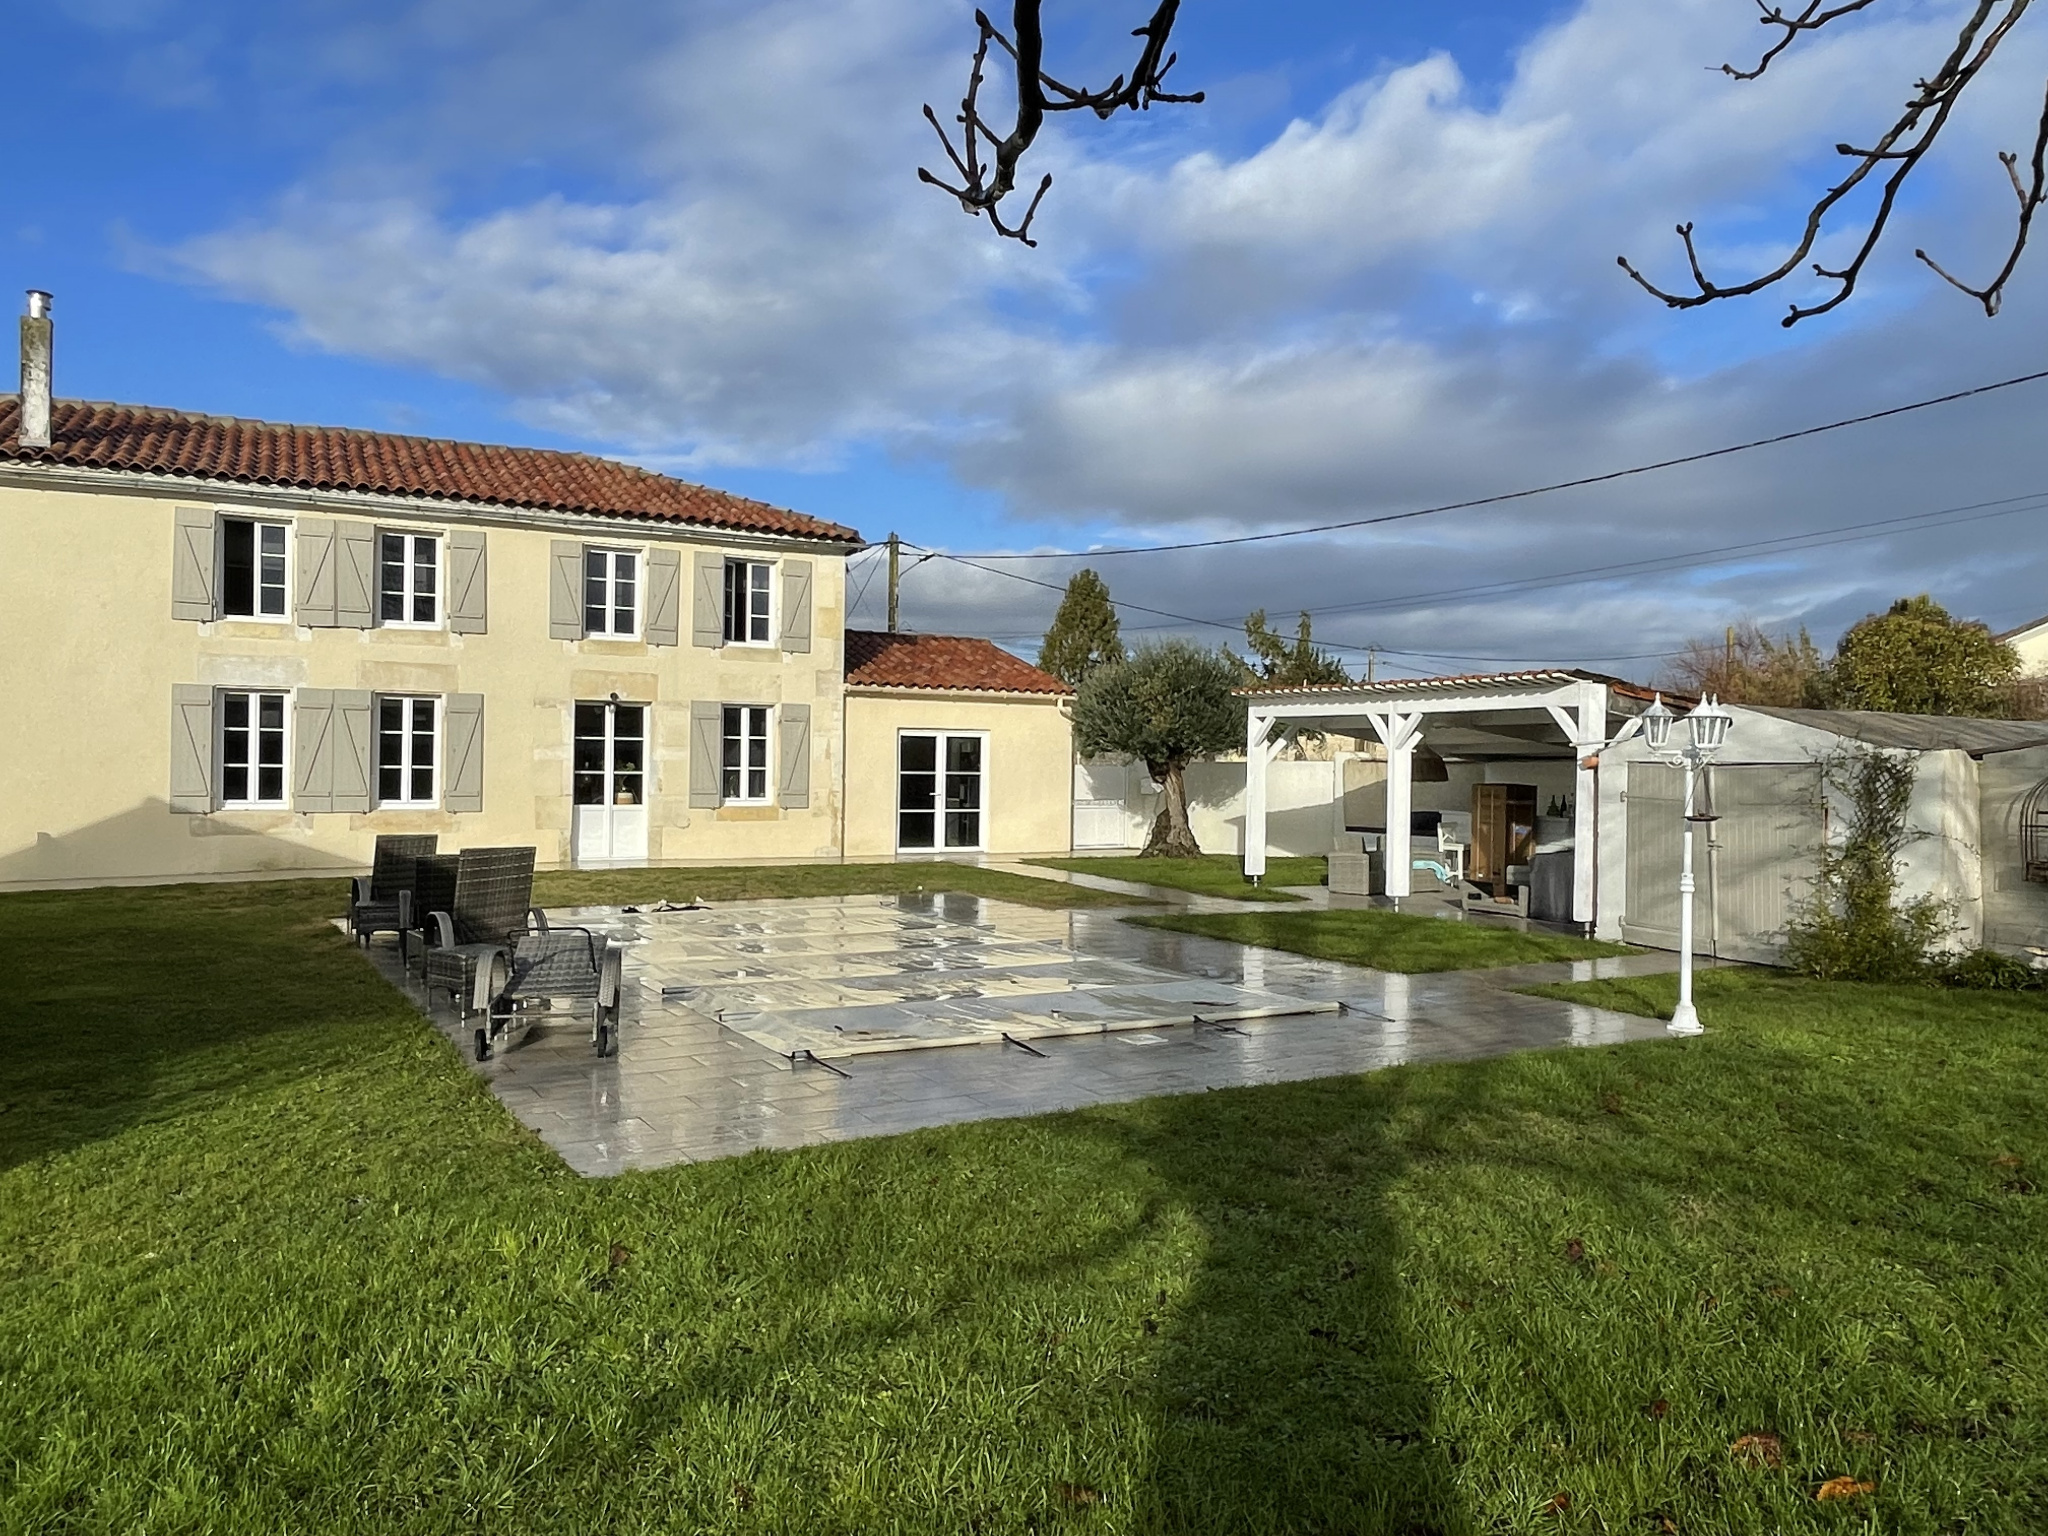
(433, 890)
(382, 903)
(545, 964)
(492, 898)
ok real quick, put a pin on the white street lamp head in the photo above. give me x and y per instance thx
(1657, 722)
(1709, 723)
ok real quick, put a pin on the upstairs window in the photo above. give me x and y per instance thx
(252, 569)
(408, 578)
(406, 738)
(252, 729)
(747, 592)
(611, 593)
(745, 763)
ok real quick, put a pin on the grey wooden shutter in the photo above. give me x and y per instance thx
(313, 556)
(191, 747)
(796, 605)
(795, 791)
(355, 575)
(664, 596)
(313, 749)
(192, 566)
(355, 725)
(707, 611)
(462, 734)
(707, 752)
(468, 582)
(565, 590)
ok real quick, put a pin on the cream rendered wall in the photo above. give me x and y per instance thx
(2032, 645)
(93, 654)
(1027, 786)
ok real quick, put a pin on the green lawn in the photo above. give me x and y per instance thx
(759, 882)
(1386, 941)
(1213, 874)
(272, 1260)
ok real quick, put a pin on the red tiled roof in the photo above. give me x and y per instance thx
(876, 659)
(147, 440)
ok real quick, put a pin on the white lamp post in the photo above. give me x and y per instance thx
(1706, 732)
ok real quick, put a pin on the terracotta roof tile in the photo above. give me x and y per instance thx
(876, 659)
(147, 440)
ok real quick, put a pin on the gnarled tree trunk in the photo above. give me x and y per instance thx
(1172, 837)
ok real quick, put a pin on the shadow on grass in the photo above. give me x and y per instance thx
(120, 1006)
(1288, 1393)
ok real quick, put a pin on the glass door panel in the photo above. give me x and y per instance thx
(608, 775)
(939, 791)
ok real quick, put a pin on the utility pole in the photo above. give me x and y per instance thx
(1372, 653)
(895, 553)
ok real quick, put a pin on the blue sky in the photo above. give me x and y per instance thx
(1373, 271)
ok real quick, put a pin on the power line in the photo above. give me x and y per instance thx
(1786, 543)
(1506, 496)
(1846, 533)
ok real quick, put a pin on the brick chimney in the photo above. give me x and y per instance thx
(35, 371)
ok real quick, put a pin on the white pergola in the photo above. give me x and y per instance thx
(1504, 716)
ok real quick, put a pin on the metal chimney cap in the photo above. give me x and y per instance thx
(38, 304)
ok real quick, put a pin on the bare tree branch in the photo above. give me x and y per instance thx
(985, 183)
(2031, 197)
(1812, 19)
(1902, 146)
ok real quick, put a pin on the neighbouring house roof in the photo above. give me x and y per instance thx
(88, 434)
(1920, 733)
(878, 659)
(1420, 687)
(2024, 631)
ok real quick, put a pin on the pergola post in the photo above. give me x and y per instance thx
(1399, 733)
(1586, 803)
(1585, 727)
(1257, 727)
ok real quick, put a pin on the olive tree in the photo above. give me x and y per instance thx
(1168, 705)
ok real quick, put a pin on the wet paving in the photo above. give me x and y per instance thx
(904, 1002)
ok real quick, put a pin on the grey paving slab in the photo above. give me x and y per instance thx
(686, 1085)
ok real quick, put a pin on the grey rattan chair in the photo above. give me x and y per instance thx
(382, 903)
(433, 890)
(493, 895)
(546, 964)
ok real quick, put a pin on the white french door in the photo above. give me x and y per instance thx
(939, 784)
(610, 784)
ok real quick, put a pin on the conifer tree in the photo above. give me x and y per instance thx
(1084, 633)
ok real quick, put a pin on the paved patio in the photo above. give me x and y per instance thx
(717, 999)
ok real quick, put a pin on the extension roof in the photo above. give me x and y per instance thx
(878, 659)
(1918, 733)
(1423, 687)
(87, 434)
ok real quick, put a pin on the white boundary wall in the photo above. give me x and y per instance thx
(1304, 812)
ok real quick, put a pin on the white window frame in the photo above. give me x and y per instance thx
(612, 554)
(766, 610)
(406, 764)
(220, 562)
(407, 592)
(220, 750)
(939, 843)
(766, 766)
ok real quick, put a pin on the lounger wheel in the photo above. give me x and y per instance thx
(483, 1045)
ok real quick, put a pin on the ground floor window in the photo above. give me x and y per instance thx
(939, 789)
(611, 754)
(407, 733)
(744, 772)
(252, 727)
